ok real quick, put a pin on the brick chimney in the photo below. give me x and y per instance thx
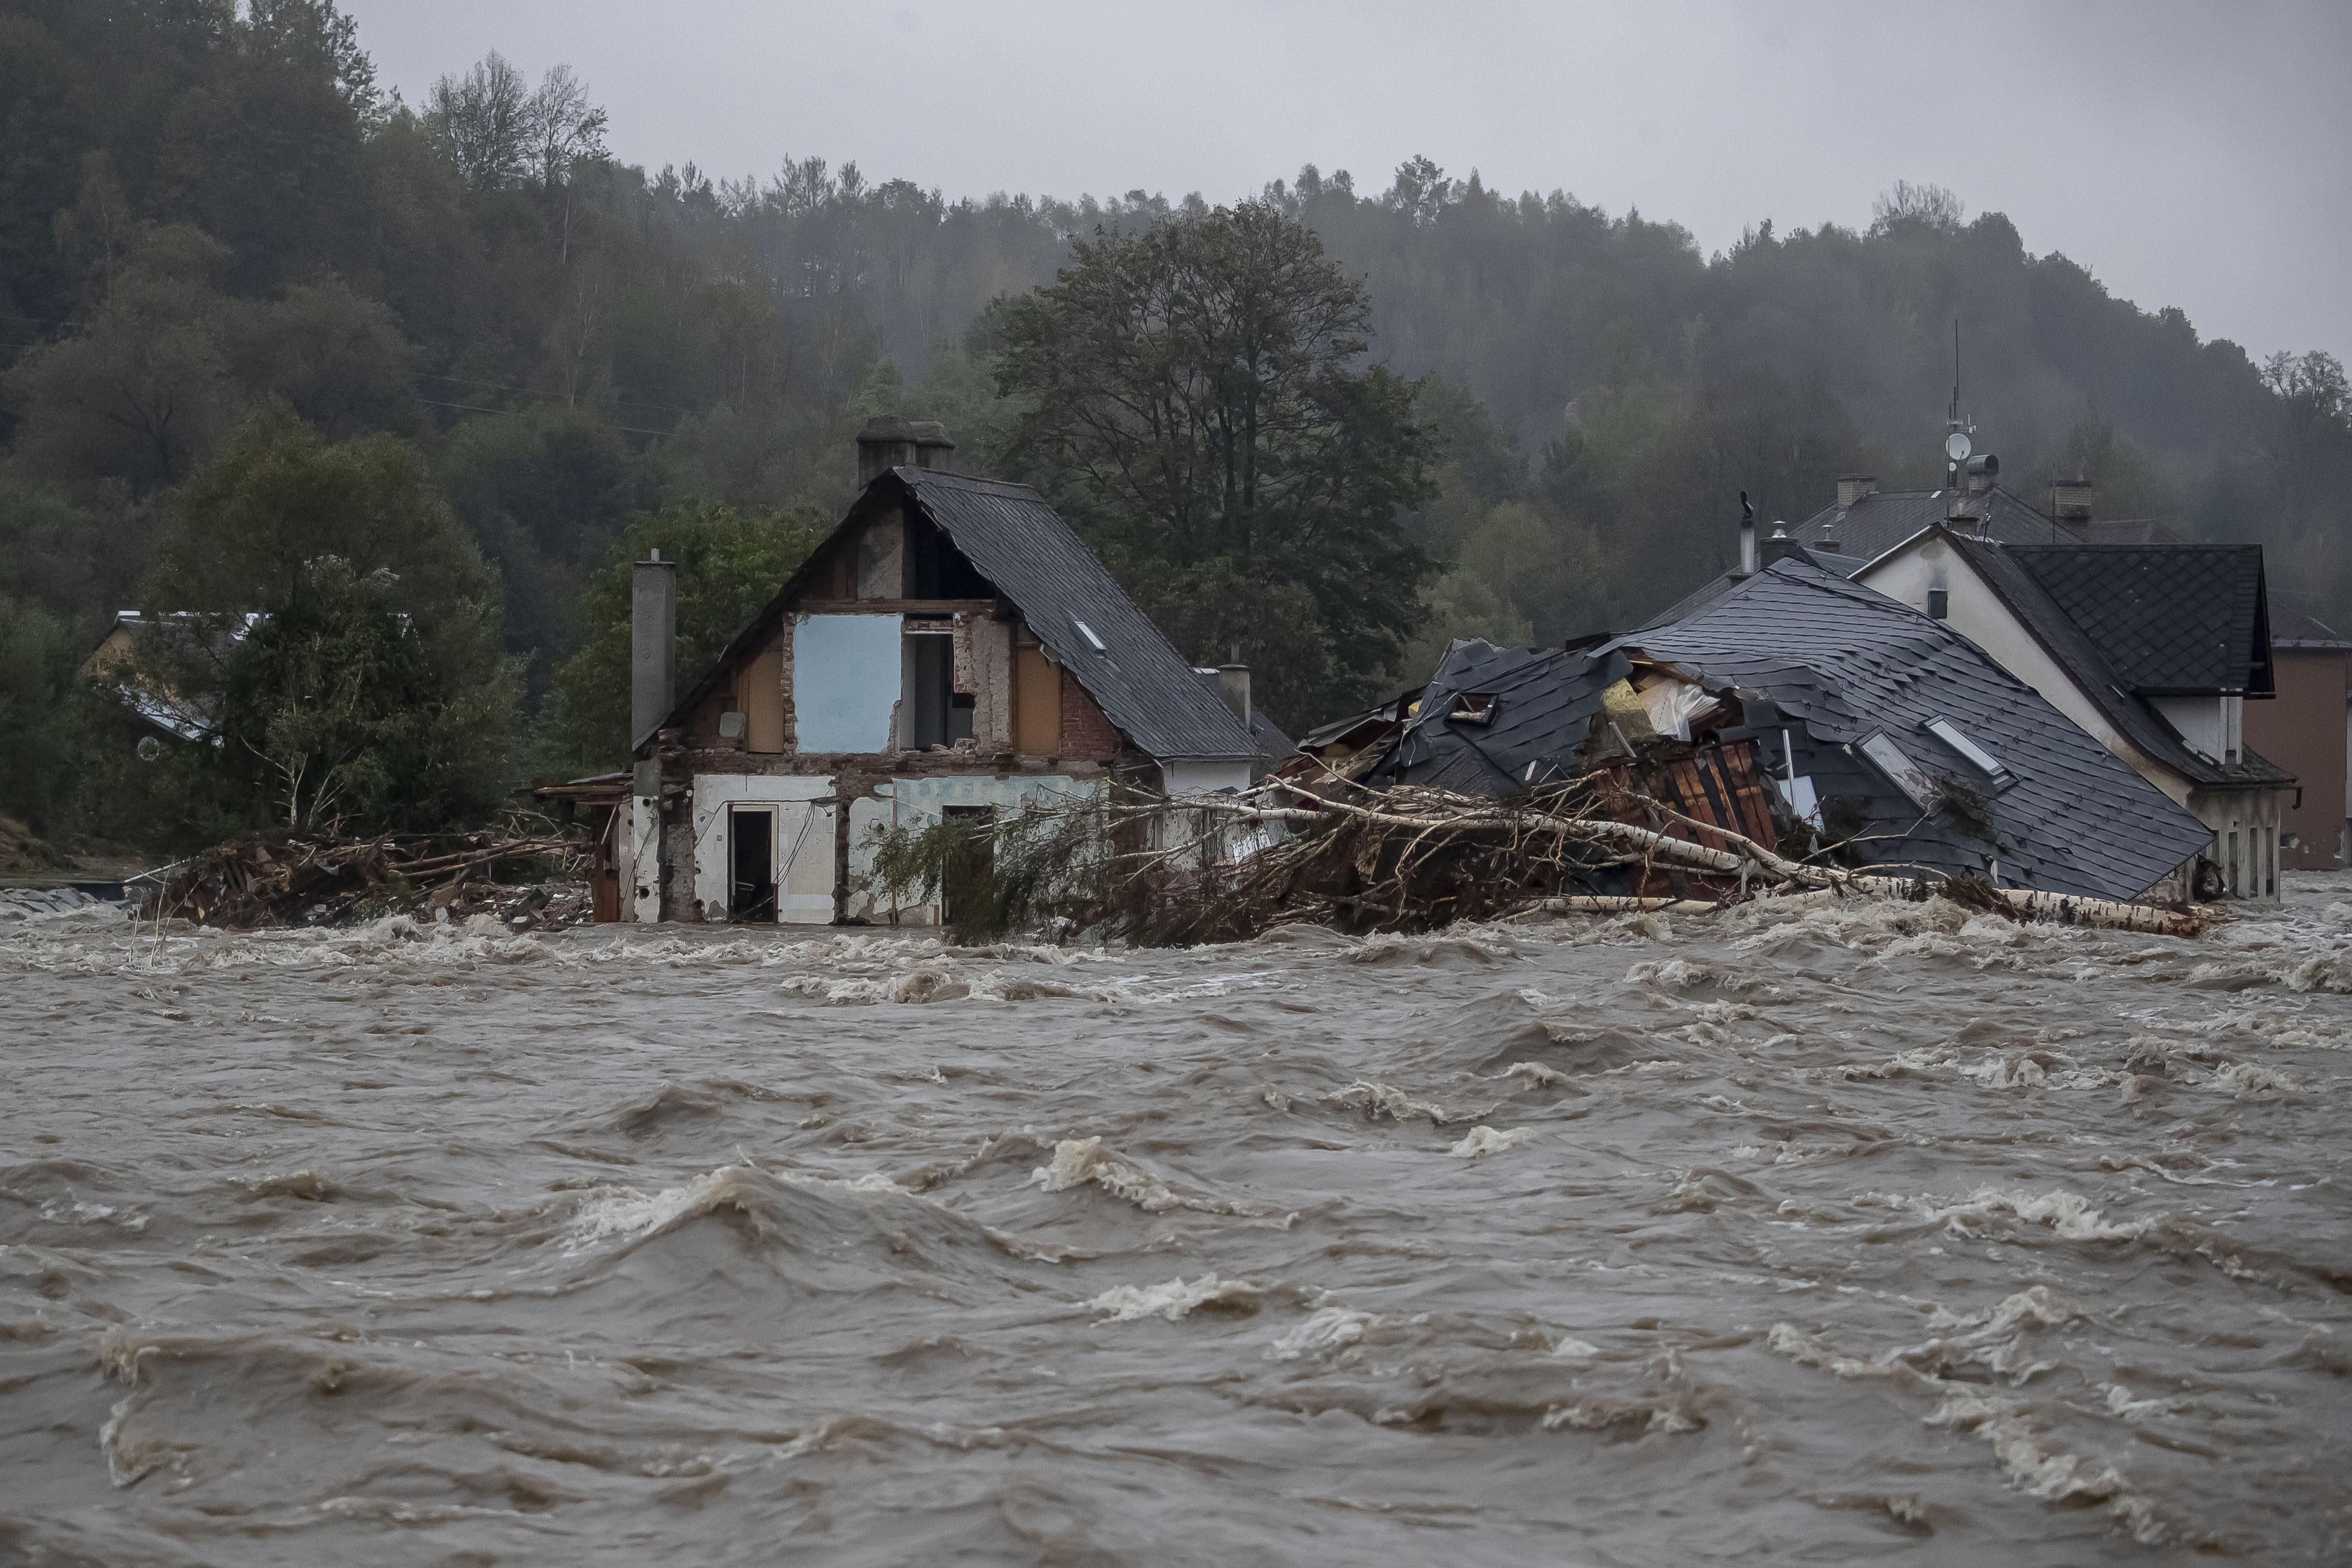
(2069, 502)
(1851, 487)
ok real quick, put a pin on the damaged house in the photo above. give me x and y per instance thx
(1795, 707)
(951, 649)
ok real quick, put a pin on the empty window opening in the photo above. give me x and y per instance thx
(1473, 708)
(752, 864)
(931, 691)
(2232, 863)
(938, 569)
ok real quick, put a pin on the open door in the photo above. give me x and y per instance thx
(752, 864)
(969, 871)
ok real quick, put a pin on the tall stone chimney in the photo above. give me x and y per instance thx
(653, 646)
(1234, 686)
(2069, 502)
(1851, 487)
(889, 442)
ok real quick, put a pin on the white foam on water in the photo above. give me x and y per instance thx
(1482, 1140)
(1175, 1299)
(1325, 1331)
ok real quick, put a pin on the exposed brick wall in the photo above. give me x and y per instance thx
(1085, 732)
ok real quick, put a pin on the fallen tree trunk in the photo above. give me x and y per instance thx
(2059, 908)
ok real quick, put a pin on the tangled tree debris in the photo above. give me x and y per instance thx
(1228, 867)
(523, 875)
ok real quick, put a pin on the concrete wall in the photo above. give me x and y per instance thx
(845, 681)
(2302, 731)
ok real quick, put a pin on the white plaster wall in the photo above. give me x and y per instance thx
(1977, 614)
(641, 884)
(845, 681)
(917, 803)
(2203, 722)
(803, 839)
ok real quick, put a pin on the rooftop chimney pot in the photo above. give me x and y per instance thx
(888, 442)
(2070, 501)
(1234, 686)
(933, 446)
(1983, 470)
(1851, 487)
(1747, 537)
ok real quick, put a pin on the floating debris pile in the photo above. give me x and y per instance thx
(285, 877)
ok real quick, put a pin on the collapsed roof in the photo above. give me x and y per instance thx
(1901, 736)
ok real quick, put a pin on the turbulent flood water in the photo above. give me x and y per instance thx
(1862, 1233)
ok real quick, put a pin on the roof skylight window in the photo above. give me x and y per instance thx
(1907, 775)
(1088, 632)
(1984, 762)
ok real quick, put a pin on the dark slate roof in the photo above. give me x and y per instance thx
(1884, 519)
(2008, 574)
(2295, 623)
(2172, 619)
(1020, 544)
(1543, 704)
(2129, 531)
(1845, 660)
(1715, 588)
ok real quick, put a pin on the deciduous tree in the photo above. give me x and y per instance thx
(1200, 402)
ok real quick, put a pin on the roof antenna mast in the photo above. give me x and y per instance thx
(1956, 430)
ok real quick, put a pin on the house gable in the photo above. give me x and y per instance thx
(952, 614)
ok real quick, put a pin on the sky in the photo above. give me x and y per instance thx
(2191, 156)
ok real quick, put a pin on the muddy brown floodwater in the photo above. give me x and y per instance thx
(1866, 1233)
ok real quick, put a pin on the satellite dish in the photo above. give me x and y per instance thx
(1956, 445)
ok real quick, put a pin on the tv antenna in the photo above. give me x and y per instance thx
(1958, 430)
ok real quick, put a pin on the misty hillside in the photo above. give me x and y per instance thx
(200, 213)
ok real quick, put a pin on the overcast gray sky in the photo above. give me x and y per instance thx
(2198, 156)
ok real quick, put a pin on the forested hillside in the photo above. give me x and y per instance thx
(207, 217)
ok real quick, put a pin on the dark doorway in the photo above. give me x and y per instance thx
(965, 883)
(752, 864)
